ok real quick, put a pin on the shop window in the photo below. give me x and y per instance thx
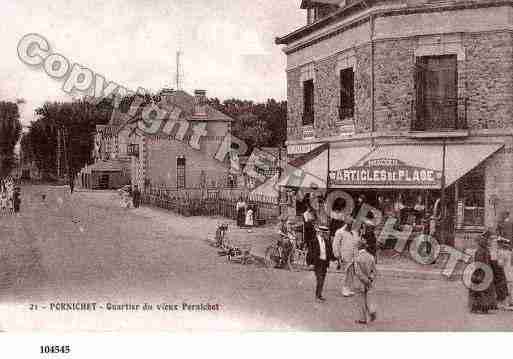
(346, 109)
(437, 100)
(308, 102)
(472, 187)
(180, 172)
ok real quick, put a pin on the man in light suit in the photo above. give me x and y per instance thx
(365, 274)
(345, 246)
(320, 255)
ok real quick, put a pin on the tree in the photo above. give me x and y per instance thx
(258, 124)
(10, 132)
(73, 123)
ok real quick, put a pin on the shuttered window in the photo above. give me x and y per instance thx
(437, 93)
(308, 102)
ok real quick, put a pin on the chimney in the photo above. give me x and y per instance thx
(200, 97)
(200, 103)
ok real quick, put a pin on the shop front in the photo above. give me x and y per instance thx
(438, 188)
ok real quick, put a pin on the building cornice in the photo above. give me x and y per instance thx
(401, 135)
(377, 12)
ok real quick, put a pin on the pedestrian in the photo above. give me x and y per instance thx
(309, 219)
(347, 244)
(499, 276)
(3, 199)
(16, 200)
(320, 257)
(365, 275)
(337, 216)
(369, 236)
(482, 300)
(136, 197)
(241, 208)
(360, 202)
(250, 218)
(505, 231)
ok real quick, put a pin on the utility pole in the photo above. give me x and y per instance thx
(178, 71)
(59, 152)
(443, 212)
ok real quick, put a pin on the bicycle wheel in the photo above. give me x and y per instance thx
(271, 256)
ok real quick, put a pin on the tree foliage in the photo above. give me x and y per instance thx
(76, 121)
(257, 124)
(10, 132)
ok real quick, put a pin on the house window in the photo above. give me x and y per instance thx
(308, 102)
(180, 172)
(437, 94)
(346, 109)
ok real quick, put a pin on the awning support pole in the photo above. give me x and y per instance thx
(442, 197)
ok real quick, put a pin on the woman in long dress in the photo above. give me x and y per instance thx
(499, 275)
(482, 301)
(241, 207)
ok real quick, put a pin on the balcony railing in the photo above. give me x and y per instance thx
(345, 113)
(308, 118)
(439, 114)
(133, 150)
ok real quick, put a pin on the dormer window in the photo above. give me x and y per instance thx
(317, 10)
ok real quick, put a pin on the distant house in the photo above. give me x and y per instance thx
(189, 148)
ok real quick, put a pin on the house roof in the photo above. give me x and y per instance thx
(191, 110)
(319, 24)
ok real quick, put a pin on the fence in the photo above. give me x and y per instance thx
(210, 202)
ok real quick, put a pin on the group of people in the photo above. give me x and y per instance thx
(494, 252)
(10, 197)
(245, 213)
(130, 198)
(353, 249)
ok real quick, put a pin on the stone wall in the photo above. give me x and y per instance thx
(489, 80)
(294, 104)
(499, 183)
(485, 68)
(394, 84)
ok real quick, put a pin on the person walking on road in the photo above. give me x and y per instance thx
(346, 250)
(482, 300)
(136, 197)
(365, 275)
(241, 208)
(320, 256)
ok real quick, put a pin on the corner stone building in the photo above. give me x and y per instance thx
(407, 81)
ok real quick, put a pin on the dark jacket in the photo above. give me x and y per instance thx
(314, 252)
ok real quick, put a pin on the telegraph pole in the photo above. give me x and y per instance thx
(443, 212)
(178, 70)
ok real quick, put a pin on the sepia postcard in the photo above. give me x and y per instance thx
(241, 166)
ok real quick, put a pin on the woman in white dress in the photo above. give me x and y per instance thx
(250, 220)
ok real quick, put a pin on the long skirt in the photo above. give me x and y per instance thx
(480, 301)
(241, 217)
(500, 282)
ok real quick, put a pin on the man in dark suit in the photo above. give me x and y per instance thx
(320, 255)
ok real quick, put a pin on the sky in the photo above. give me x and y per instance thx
(227, 46)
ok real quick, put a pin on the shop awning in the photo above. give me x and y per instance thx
(415, 166)
(313, 173)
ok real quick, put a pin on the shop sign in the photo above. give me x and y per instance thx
(386, 172)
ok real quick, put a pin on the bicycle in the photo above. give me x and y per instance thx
(277, 256)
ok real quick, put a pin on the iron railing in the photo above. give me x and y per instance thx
(133, 150)
(308, 118)
(439, 114)
(345, 113)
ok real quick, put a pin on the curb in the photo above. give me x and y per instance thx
(403, 273)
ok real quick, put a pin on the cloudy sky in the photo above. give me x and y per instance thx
(228, 45)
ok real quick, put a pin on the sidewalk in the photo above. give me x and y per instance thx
(389, 264)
